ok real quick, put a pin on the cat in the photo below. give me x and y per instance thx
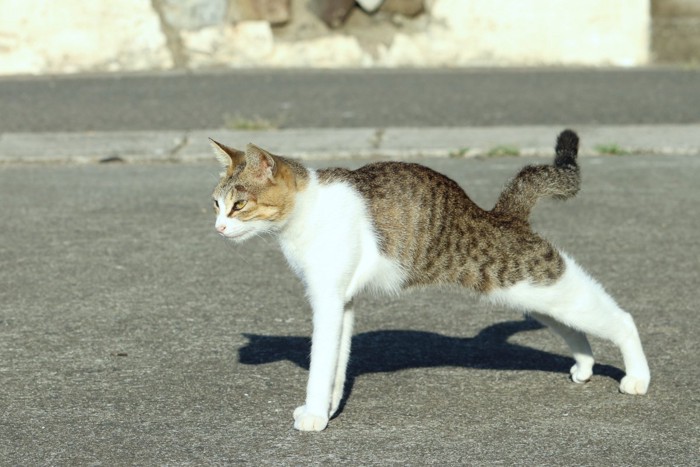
(392, 225)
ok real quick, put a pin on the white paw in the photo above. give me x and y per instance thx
(634, 385)
(580, 374)
(305, 421)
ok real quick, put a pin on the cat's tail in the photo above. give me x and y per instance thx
(559, 180)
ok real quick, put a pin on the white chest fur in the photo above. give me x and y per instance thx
(330, 243)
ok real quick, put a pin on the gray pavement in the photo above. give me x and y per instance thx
(347, 113)
(350, 98)
(334, 143)
(130, 334)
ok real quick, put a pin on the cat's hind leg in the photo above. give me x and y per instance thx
(582, 370)
(586, 306)
(578, 301)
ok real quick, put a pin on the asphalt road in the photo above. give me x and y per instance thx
(356, 98)
(131, 334)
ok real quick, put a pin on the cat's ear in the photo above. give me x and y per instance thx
(261, 163)
(227, 157)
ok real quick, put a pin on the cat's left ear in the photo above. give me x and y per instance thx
(227, 157)
(261, 163)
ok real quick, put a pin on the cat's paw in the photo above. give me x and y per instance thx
(305, 421)
(634, 385)
(580, 374)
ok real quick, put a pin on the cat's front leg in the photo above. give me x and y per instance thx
(343, 357)
(325, 346)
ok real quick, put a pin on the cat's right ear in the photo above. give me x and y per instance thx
(227, 157)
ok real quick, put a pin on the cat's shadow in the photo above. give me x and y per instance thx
(395, 350)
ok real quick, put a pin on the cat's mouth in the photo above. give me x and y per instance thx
(237, 236)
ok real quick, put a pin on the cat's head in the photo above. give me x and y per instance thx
(256, 193)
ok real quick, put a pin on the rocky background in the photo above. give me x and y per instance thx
(67, 36)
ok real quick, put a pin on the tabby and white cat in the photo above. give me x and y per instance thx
(391, 225)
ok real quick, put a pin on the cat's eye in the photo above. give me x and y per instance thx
(216, 205)
(237, 206)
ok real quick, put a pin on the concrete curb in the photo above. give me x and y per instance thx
(333, 143)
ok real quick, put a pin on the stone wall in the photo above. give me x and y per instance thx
(676, 31)
(64, 36)
(39, 36)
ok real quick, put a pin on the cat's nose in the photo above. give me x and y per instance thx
(221, 228)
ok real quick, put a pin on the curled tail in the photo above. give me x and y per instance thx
(560, 180)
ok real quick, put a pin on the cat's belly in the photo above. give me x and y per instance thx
(375, 272)
(386, 277)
